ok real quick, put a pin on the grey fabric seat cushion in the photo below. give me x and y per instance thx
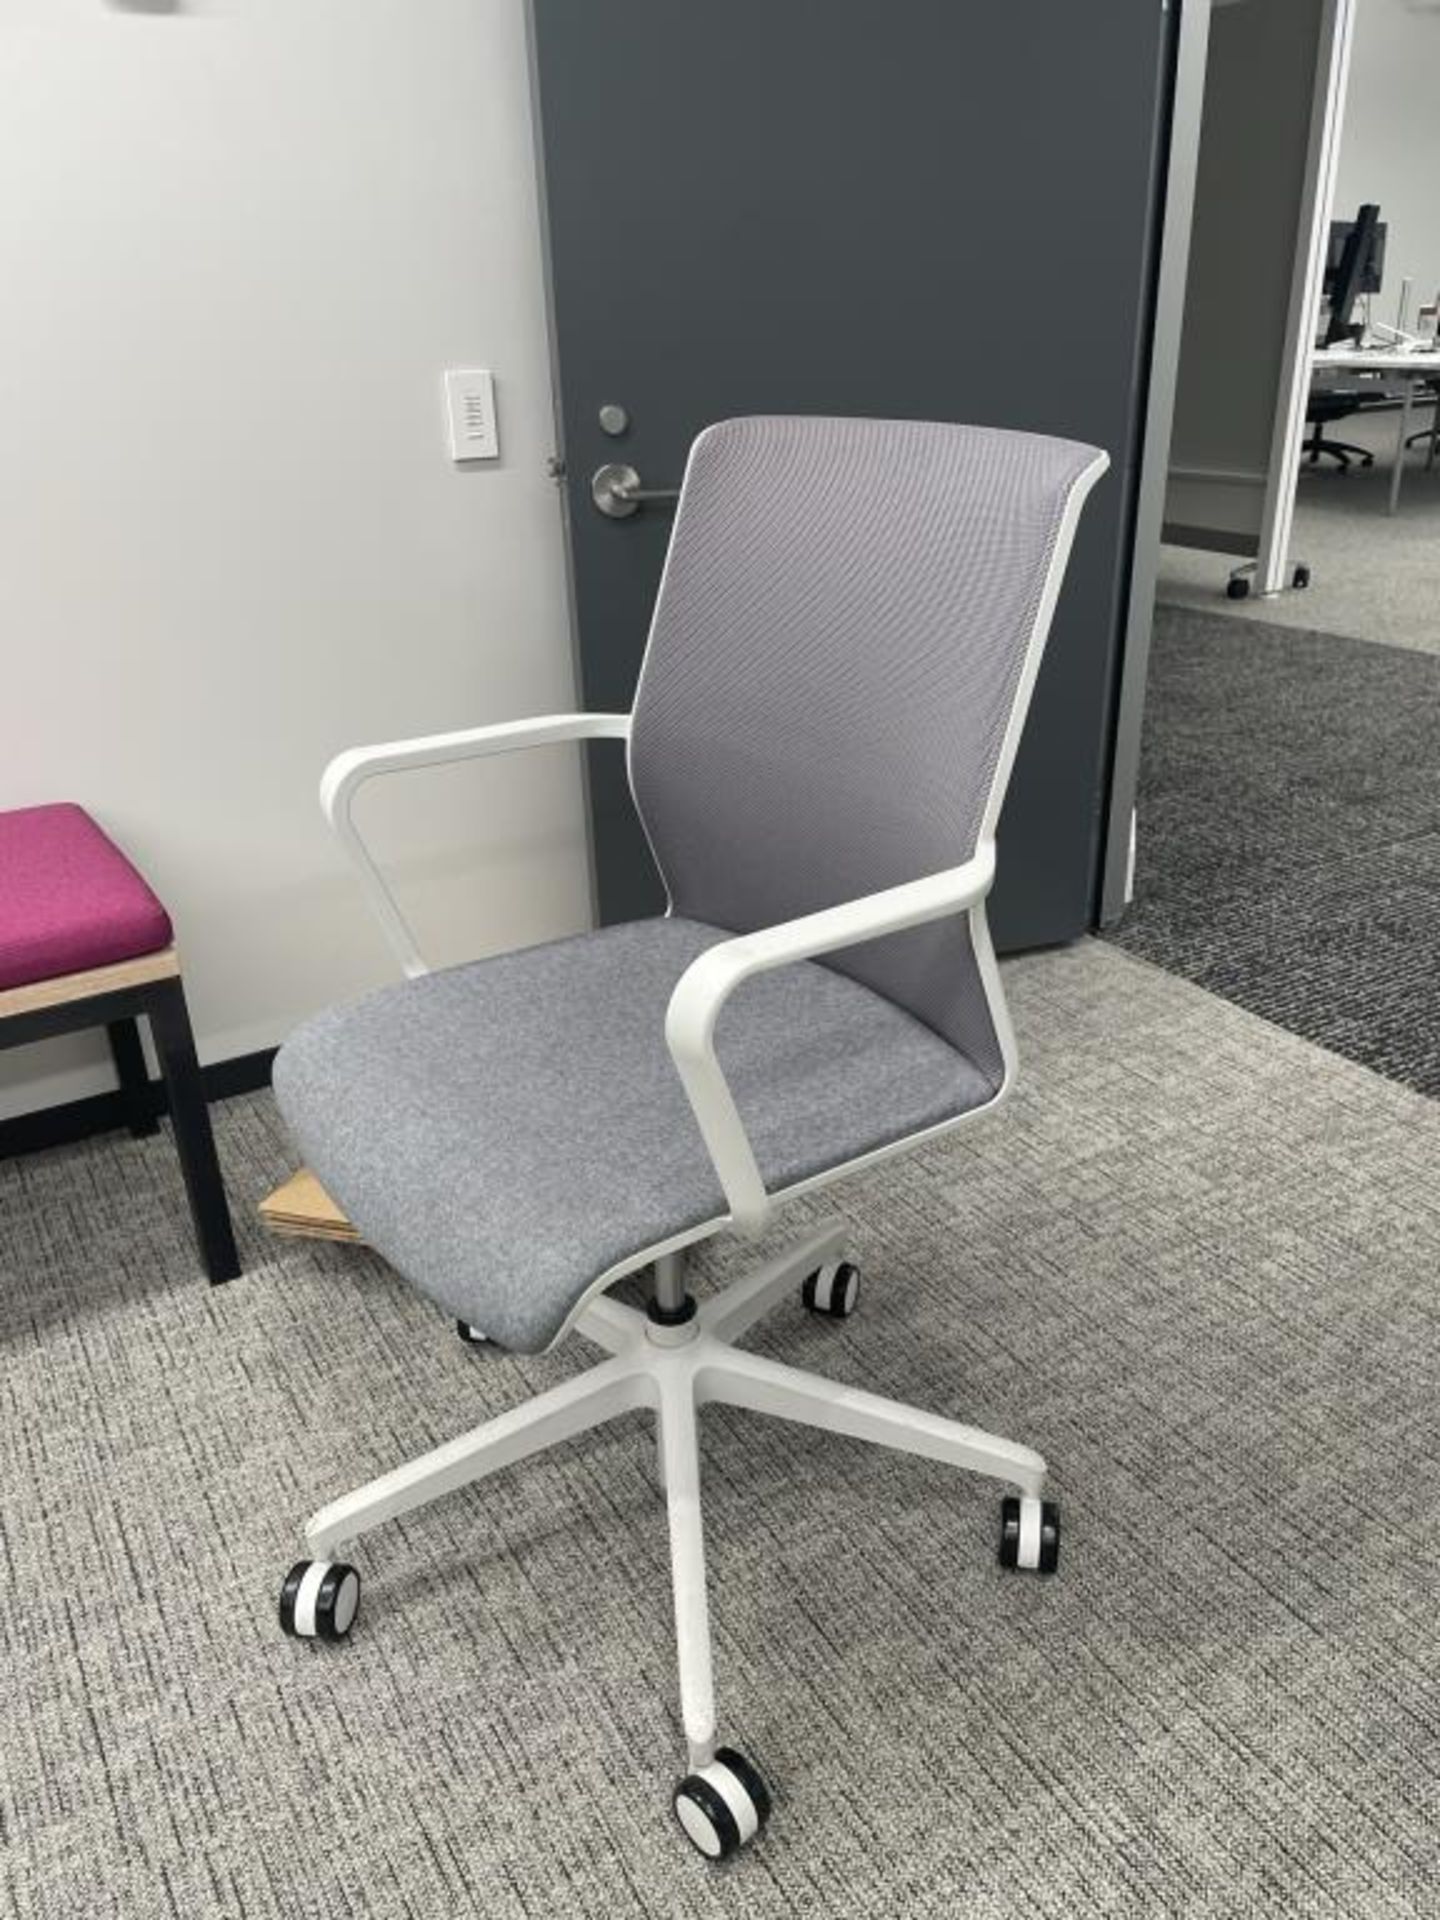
(505, 1132)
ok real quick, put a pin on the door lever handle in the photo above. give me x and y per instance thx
(617, 492)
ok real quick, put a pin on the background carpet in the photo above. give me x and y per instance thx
(1194, 1261)
(1289, 833)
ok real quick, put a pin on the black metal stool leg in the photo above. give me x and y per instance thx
(134, 1076)
(194, 1141)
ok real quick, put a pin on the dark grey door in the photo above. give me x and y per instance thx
(908, 208)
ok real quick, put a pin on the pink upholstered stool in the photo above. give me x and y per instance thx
(84, 942)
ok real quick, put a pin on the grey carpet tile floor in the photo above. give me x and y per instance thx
(1374, 577)
(1194, 1261)
(1289, 833)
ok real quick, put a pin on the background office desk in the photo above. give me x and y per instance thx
(1411, 366)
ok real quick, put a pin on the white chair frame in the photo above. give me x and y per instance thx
(675, 1369)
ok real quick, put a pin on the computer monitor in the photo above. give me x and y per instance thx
(1359, 261)
(1372, 268)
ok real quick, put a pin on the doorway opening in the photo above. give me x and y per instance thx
(1289, 799)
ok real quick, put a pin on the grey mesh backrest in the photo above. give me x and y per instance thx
(836, 653)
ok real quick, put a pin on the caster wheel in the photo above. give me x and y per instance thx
(833, 1289)
(1237, 589)
(1300, 578)
(472, 1336)
(319, 1600)
(723, 1806)
(1030, 1535)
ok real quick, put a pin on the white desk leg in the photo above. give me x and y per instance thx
(1405, 412)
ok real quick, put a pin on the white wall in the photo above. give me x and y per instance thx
(1390, 144)
(239, 240)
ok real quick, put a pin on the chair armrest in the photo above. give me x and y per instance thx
(708, 982)
(349, 771)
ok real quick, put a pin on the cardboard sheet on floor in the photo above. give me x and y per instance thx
(303, 1210)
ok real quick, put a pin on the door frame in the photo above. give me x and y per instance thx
(1311, 236)
(1117, 871)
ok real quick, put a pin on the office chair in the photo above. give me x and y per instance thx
(1329, 402)
(843, 647)
(1432, 432)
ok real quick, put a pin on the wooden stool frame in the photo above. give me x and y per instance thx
(117, 997)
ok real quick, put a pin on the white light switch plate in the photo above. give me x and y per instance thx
(470, 411)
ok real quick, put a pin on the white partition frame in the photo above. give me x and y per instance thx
(1272, 567)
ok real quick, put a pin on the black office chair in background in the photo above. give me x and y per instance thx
(1335, 400)
(1432, 432)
